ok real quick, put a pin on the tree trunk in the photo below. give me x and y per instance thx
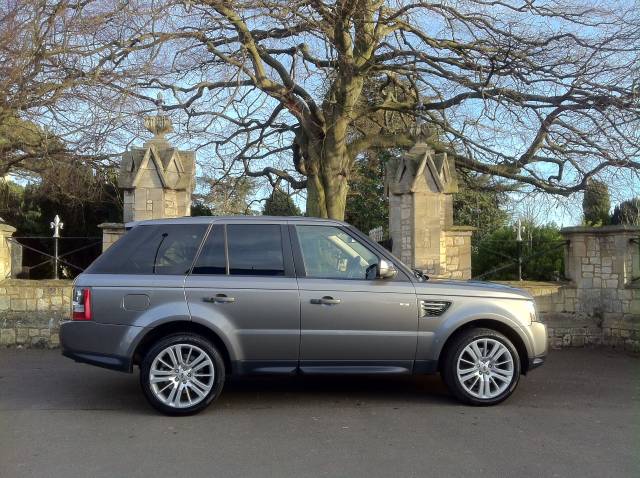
(327, 183)
(327, 196)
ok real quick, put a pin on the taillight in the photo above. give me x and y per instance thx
(81, 304)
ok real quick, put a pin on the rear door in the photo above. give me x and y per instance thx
(243, 285)
(350, 320)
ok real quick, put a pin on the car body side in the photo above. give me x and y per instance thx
(149, 305)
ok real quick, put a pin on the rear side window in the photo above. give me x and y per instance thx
(255, 249)
(212, 259)
(153, 249)
(252, 250)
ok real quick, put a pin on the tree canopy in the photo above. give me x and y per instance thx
(596, 203)
(627, 212)
(537, 93)
(280, 204)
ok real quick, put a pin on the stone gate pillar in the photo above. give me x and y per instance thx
(6, 231)
(157, 180)
(604, 265)
(419, 186)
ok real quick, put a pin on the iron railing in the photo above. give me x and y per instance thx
(519, 259)
(56, 256)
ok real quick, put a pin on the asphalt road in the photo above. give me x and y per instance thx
(579, 415)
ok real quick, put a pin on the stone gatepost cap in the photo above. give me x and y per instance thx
(4, 227)
(461, 229)
(615, 229)
(112, 225)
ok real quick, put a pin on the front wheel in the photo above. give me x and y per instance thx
(182, 374)
(481, 367)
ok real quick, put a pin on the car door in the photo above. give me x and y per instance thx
(243, 286)
(351, 320)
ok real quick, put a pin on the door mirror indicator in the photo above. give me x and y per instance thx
(386, 270)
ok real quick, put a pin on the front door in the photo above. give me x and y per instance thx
(351, 321)
(244, 286)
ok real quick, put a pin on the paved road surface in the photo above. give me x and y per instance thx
(579, 415)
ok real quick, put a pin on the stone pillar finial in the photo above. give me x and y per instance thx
(159, 125)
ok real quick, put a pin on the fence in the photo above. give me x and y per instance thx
(518, 260)
(51, 257)
(379, 235)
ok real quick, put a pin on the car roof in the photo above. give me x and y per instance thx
(240, 220)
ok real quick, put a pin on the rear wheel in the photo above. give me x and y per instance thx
(182, 374)
(481, 367)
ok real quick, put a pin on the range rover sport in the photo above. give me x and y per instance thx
(193, 300)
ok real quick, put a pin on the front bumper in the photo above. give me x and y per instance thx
(536, 362)
(105, 345)
(539, 343)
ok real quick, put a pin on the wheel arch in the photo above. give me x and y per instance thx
(176, 327)
(493, 324)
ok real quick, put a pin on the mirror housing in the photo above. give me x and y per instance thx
(386, 270)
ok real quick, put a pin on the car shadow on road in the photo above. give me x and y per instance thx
(122, 394)
(303, 390)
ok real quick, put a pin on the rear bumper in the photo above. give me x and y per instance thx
(104, 345)
(122, 364)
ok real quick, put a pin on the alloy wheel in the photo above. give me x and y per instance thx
(485, 368)
(181, 375)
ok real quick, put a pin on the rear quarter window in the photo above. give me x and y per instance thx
(152, 249)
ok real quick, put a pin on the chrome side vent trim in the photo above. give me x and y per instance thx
(433, 308)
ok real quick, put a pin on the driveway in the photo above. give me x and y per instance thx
(579, 415)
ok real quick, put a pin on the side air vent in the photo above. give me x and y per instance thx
(433, 308)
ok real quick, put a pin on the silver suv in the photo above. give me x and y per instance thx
(193, 300)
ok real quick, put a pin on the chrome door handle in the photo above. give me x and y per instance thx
(326, 300)
(220, 299)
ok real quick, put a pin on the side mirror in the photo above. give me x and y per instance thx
(386, 270)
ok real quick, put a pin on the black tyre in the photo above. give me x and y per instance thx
(481, 367)
(182, 374)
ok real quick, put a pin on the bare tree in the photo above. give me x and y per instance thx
(537, 93)
(54, 108)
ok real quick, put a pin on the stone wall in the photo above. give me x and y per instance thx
(30, 311)
(571, 324)
(457, 252)
(599, 305)
(602, 263)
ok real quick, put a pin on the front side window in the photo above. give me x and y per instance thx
(152, 249)
(330, 253)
